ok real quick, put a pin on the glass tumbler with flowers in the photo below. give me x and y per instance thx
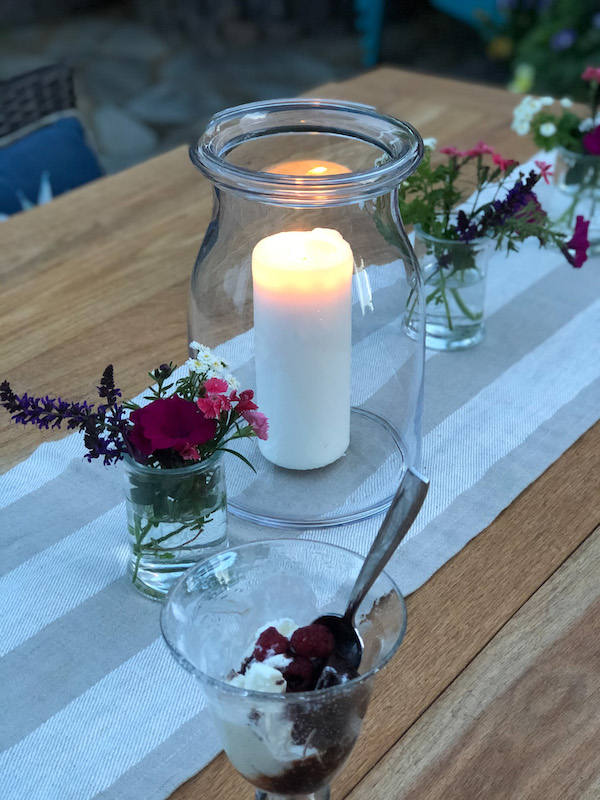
(171, 448)
(556, 125)
(463, 207)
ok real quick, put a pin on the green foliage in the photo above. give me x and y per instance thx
(558, 39)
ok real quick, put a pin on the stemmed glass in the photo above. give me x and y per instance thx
(286, 745)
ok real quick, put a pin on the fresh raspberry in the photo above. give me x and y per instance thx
(299, 674)
(270, 643)
(313, 641)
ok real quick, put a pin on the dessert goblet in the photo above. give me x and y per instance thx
(290, 744)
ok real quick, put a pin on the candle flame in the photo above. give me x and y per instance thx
(307, 168)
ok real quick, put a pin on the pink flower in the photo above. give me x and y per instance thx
(591, 74)
(544, 170)
(481, 149)
(215, 401)
(258, 423)
(216, 386)
(579, 242)
(190, 453)
(452, 151)
(504, 163)
(591, 141)
(169, 423)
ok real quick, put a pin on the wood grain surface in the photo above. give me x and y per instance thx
(496, 683)
(522, 719)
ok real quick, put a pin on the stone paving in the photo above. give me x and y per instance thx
(141, 93)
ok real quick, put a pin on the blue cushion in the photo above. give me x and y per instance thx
(59, 149)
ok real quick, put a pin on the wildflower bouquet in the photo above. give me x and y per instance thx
(577, 140)
(550, 128)
(171, 447)
(466, 203)
(182, 422)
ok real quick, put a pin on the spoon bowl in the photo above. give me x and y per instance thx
(401, 514)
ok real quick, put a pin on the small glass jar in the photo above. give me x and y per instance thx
(454, 275)
(577, 179)
(175, 517)
(300, 284)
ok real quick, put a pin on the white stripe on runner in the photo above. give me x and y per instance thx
(59, 578)
(111, 735)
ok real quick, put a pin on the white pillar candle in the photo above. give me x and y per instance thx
(302, 342)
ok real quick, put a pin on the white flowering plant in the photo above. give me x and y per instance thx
(551, 128)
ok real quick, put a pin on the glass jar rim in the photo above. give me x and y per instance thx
(132, 465)
(229, 128)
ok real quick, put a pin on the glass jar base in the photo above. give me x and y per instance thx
(441, 338)
(155, 578)
(358, 485)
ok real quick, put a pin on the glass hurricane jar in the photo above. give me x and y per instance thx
(175, 517)
(454, 276)
(300, 284)
(287, 745)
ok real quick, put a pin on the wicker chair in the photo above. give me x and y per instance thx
(27, 99)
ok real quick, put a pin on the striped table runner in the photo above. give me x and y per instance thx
(93, 706)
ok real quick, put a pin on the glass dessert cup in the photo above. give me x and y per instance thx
(290, 744)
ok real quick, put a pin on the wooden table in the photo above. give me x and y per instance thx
(495, 692)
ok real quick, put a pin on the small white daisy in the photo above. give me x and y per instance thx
(521, 126)
(548, 129)
(566, 102)
(430, 143)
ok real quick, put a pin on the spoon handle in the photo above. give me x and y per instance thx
(401, 514)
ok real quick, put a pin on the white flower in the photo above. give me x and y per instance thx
(232, 381)
(589, 123)
(520, 126)
(548, 129)
(430, 143)
(196, 365)
(546, 101)
(565, 102)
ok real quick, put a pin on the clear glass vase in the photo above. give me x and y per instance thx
(175, 517)
(577, 179)
(287, 745)
(454, 275)
(300, 284)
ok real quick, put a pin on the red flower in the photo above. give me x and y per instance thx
(244, 401)
(591, 74)
(591, 141)
(579, 242)
(215, 400)
(544, 170)
(258, 423)
(504, 163)
(170, 422)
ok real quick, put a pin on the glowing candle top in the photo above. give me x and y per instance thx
(308, 168)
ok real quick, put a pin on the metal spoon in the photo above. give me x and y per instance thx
(402, 512)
